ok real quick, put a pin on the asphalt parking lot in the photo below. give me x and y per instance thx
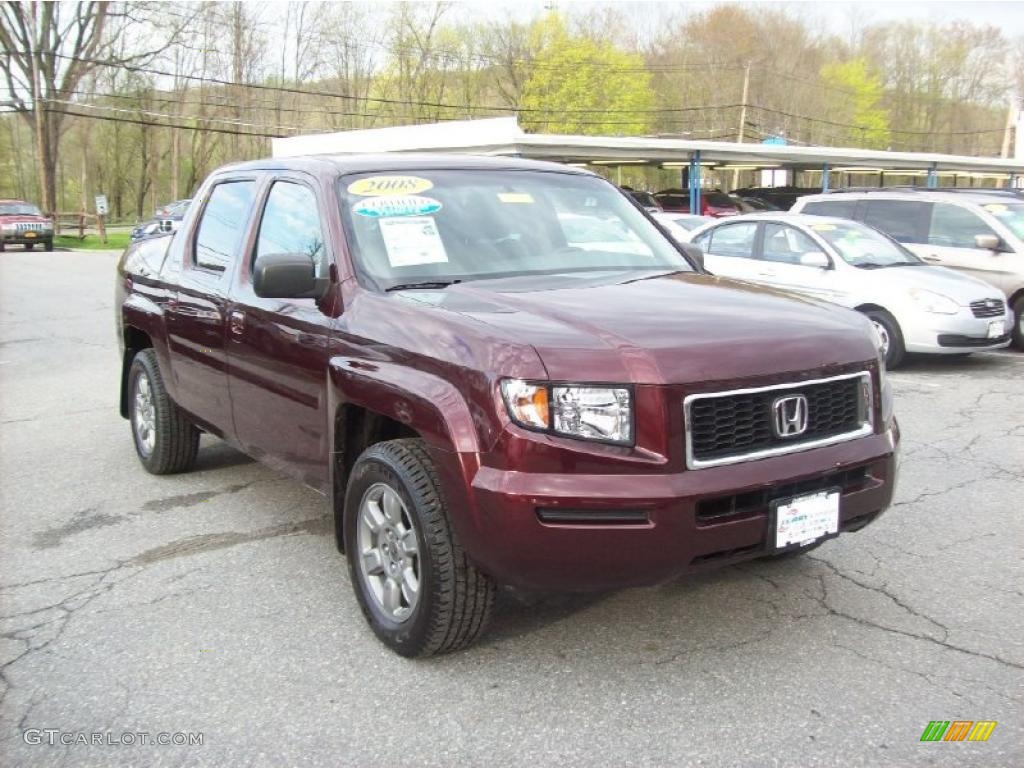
(215, 602)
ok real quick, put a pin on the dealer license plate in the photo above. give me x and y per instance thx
(996, 328)
(30, 234)
(803, 519)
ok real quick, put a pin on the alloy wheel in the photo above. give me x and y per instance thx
(388, 552)
(144, 414)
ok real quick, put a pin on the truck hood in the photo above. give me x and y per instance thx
(676, 328)
(22, 218)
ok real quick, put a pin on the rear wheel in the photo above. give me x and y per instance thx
(1018, 323)
(414, 583)
(165, 440)
(891, 336)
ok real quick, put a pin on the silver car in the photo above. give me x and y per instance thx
(978, 232)
(915, 307)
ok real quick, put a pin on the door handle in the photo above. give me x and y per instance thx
(768, 273)
(931, 257)
(236, 322)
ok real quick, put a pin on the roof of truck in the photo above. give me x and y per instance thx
(402, 161)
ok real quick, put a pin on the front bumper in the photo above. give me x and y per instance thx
(678, 523)
(953, 334)
(26, 238)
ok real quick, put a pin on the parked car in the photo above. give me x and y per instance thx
(679, 225)
(782, 198)
(975, 232)
(713, 202)
(484, 401)
(24, 224)
(167, 220)
(914, 307)
(750, 204)
(645, 199)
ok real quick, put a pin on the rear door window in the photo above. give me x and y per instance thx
(224, 222)
(955, 227)
(905, 221)
(735, 240)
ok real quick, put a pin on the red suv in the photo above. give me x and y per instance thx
(712, 202)
(489, 392)
(24, 224)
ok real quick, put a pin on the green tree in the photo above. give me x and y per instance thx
(579, 85)
(855, 98)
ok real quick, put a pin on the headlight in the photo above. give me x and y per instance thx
(581, 411)
(934, 302)
(9, 227)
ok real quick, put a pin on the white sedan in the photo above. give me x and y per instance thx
(914, 307)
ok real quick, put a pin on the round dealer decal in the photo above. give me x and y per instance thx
(404, 205)
(373, 186)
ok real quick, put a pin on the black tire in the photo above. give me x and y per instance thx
(1018, 323)
(897, 351)
(454, 598)
(175, 440)
(48, 245)
(29, 246)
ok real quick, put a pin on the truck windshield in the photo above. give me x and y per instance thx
(863, 246)
(19, 209)
(456, 225)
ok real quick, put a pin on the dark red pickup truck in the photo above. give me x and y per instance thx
(499, 372)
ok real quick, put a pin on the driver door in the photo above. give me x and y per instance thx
(277, 348)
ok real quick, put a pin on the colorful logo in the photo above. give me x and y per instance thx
(958, 730)
(405, 205)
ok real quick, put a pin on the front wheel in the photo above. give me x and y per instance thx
(48, 245)
(1018, 323)
(165, 440)
(891, 337)
(414, 583)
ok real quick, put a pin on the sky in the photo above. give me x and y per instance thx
(1008, 14)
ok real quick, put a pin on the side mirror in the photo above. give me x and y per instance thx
(815, 259)
(988, 242)
(694, 253)
(287, 276)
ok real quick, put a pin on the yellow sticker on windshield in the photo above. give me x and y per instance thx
(823, 227)
(373, 186)
(995, 207)
(515, 197)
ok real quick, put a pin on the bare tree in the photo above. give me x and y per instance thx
(52, 47)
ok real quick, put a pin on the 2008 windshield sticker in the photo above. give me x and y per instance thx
(400, 205)
(374, 186)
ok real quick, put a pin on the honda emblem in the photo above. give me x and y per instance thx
(789, 416)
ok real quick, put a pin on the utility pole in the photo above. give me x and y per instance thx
(1011, 119)
(743, 119)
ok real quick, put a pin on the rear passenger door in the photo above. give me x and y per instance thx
(277, 348)
(730, 250)
(197, 318)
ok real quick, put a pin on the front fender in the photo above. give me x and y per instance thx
(429, 405)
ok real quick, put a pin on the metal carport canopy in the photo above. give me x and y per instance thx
(503, 136)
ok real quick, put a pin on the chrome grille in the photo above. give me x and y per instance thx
(737, 425)
(29, 226)
(988, 308)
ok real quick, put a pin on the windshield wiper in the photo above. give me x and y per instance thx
(907, 264)
(423, 284)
